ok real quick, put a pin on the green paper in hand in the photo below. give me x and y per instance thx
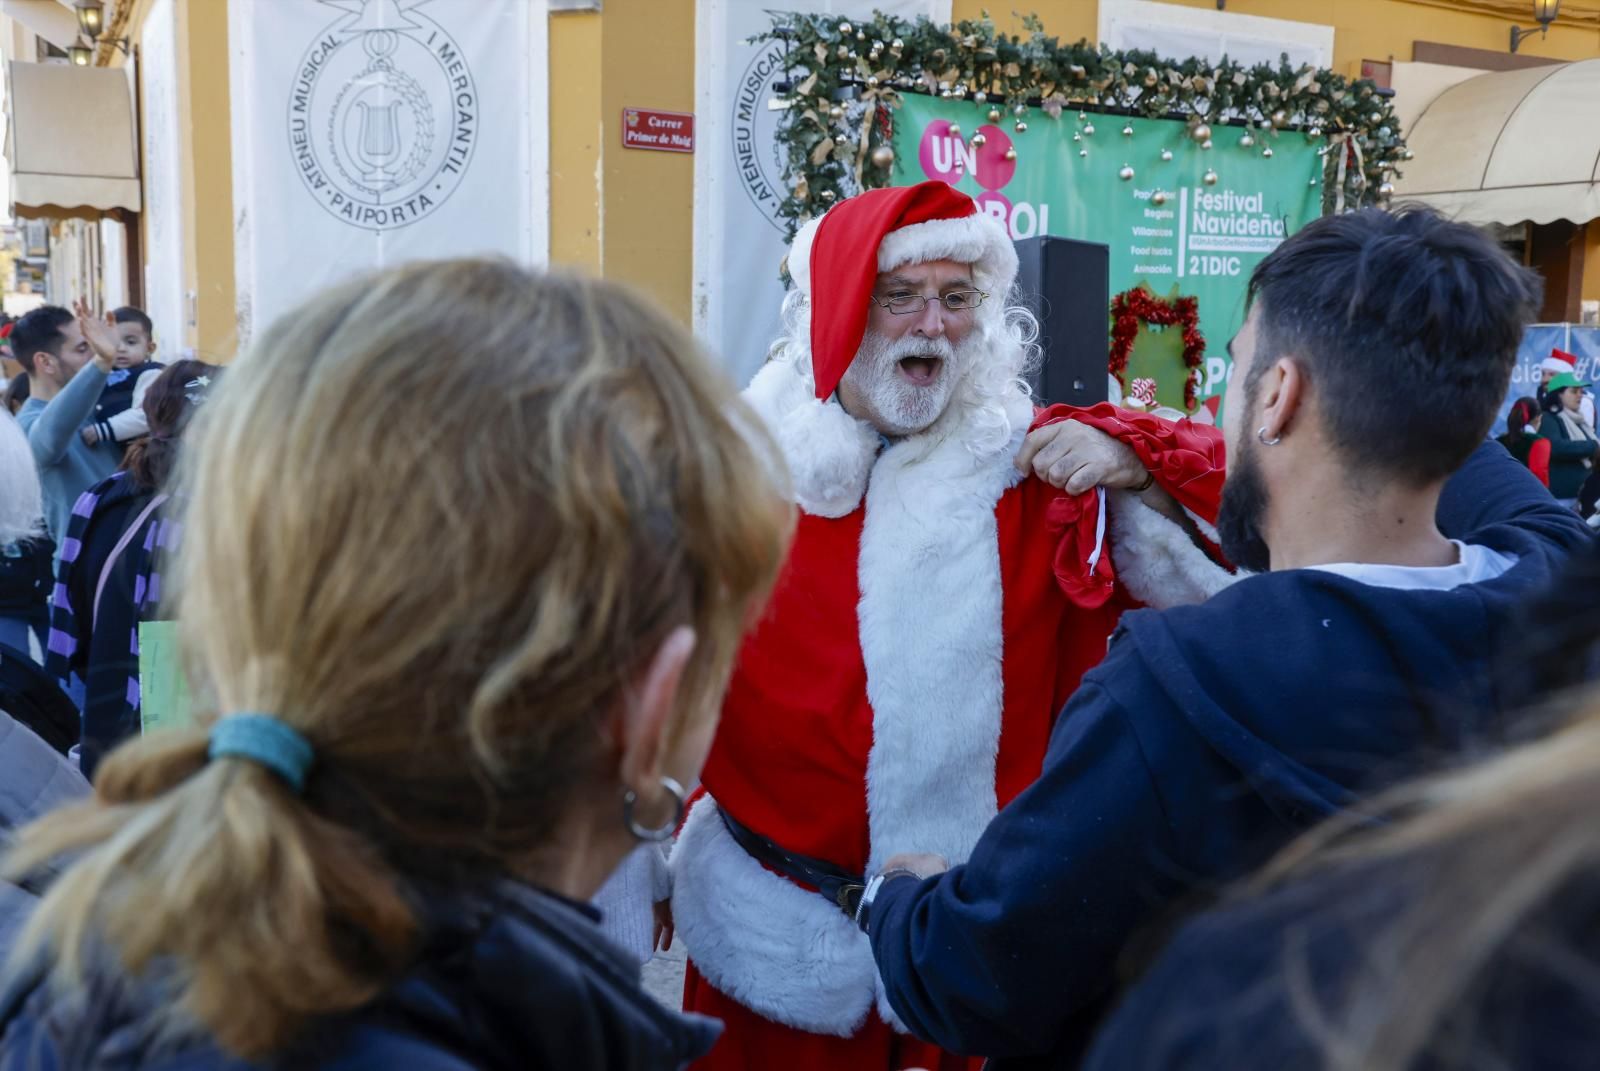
(163, 691)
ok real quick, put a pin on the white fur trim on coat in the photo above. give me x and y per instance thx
(829, 452)
(1156, 560)
(979, 240)
(780, 950)
(932, 641)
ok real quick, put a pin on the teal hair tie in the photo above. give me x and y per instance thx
(265, 741)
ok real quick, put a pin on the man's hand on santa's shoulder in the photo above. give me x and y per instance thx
(1078, 458)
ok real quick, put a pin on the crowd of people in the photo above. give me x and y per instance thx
(941, 727)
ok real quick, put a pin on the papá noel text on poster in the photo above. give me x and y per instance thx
(382, 119)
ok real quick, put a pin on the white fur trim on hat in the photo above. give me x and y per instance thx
(979, 240)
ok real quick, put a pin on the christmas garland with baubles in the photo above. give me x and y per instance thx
(848, 76)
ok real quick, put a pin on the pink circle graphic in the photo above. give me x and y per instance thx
(937, 153)
(994, 170)
(998, 205)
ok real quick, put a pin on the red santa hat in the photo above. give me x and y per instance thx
(1559, 361)
(832, 260)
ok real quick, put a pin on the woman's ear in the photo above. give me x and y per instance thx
(646, 715)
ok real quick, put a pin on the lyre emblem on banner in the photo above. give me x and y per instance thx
(383, 114)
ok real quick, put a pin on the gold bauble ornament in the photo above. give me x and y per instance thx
(828, 195)
(897, 44)
(872, 81)
(955, 130)
(1126, 173)
(1209, 178)
(835, 112)
(1011, 154)
(979, 141)
(1159, 197)
(1377, 117)
(883, 156)
(1279, 118)
(844, 50)
(861, 35)
(994, 115)
(1201, 132)
(845, 27)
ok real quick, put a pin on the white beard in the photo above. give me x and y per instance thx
(894, 405)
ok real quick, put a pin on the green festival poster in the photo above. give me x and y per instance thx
(1180, 220)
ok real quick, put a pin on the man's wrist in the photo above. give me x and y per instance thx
(874, 889)
(1149, 482)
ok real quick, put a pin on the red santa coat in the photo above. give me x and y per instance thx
(902, 685)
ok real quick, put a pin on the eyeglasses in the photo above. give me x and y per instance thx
(955, 301)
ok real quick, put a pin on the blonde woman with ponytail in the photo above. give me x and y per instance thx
(468, 550)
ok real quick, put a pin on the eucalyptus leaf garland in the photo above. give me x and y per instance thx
(848, 77)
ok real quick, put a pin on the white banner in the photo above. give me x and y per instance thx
(738, 170)
(372, 132)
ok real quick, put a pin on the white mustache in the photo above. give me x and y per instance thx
(896, 350)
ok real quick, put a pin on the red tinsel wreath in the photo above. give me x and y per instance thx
(1131, 308)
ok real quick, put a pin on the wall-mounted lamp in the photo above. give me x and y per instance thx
(91, 18)
(1544, 12)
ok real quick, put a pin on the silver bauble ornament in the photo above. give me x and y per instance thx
(1201, 132)
(980, 97)
(1126, 173)
(1019, 110)
(1127, 131)
(1011, 154)
(979, 141)
(861, 35)
(1246, 140)
(1386, 190)
(897, 44)
(1159, 197)
(872, 81)
(1279, 118)
(835, 112)
(1267, 152)
(1407, 155)
(994, 115)
(955, 130)
(1083, 152)
(1209, 178)
(1088, 131)
(846, 28)
(828, 195)
(1206, 144)
(1377, 117)
(1022, 128)
(1166, 155)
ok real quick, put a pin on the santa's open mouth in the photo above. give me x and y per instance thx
(921, 371)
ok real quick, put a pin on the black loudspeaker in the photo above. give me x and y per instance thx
(1067, 285)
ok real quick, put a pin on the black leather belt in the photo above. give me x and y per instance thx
(841, 887)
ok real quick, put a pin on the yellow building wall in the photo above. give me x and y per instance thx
(647, 202)
(576, 132)
(207, 179)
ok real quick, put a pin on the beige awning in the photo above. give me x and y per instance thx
(70, 141)
(1510, 146)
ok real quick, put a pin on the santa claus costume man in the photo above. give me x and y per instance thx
(937, 609)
